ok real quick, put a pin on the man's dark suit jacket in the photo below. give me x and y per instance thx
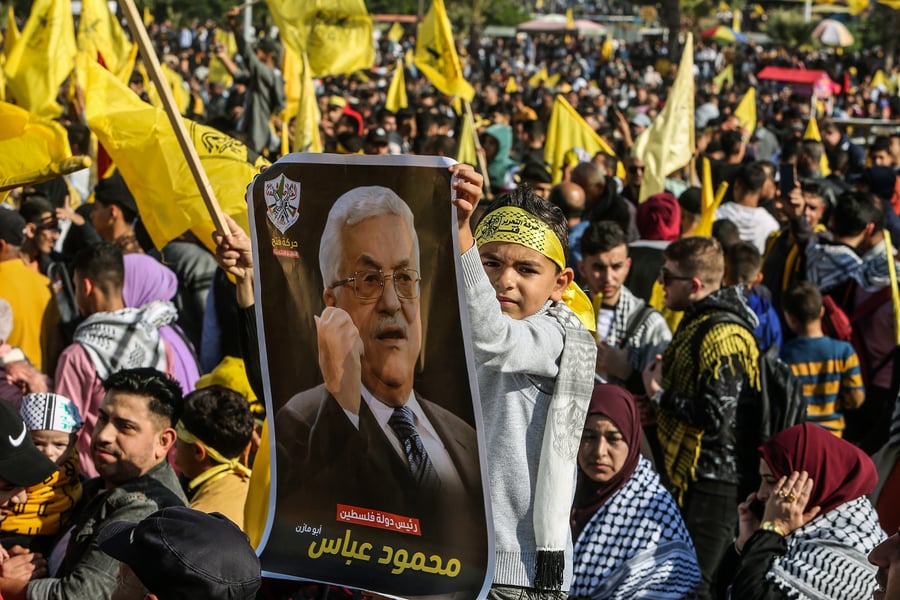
(323, 460)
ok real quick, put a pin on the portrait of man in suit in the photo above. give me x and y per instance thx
(364, 437)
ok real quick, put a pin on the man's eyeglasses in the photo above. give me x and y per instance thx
(666, 277)
(369, 284)
(634, 169)
(48, 224)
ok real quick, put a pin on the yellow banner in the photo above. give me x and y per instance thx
(335, 35)
(142, 143)
(668, 144)
(43, 57)
(436, 54)
(569, 131)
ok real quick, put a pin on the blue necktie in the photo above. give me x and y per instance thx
(419, 464)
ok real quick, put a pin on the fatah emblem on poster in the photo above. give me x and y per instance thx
(377, 477)
(282, 202)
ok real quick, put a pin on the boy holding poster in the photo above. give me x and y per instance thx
(535, 363)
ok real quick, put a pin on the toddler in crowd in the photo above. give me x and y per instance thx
(53, 422)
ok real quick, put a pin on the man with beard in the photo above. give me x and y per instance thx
(134, 432)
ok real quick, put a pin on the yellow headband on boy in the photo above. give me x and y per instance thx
(226, 465)
(517, 226)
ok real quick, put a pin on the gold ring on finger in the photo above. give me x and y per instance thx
(791, 497)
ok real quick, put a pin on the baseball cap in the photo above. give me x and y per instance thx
(113, 190)
(377, 136)
(12, 227)
(181, 553)
(337, 101)
(21, 464)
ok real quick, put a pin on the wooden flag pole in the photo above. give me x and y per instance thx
(482, 164)
(139, 33)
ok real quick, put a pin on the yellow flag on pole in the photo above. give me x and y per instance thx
(465, 152)
(538, 78)
(709, 200)
(746, 111)
(12, 31)
(32, 148)
(436, 54)
(396, 94)
(306, 126)
(668, 144)
(102, 39)
(395, 33)
(726, 75)
(335, 35)
(812, 133)
(43, 57)
(140, 139)
(569, 131)
(292, 73)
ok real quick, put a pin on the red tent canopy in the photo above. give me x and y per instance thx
(804, 80)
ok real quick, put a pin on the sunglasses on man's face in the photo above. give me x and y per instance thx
(666, 277)
(634, 169)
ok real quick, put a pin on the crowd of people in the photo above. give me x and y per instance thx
(132, 388)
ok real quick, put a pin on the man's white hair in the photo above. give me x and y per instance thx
(352, 208)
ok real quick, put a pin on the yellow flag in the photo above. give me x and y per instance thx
(570, 20)
(176, 84)
(668, 144)
(148, 16)
(606, 51)
(709, 200)
(736, 20)
(335, 35)
(552, 80)
(465, 152)
(857, 6)
(538, 78)
(746, 111)
(879, 79)
(292, 73)
(396, 94)
(812, 133)
(256, 507)
(436, 54)
(569, 131)
(726, 75)
(306, 127)
(32, 148)
(218, 72)
(895, 4)
(43, 57)
(395, 33)
(511, 87)
(142, 143)
(12, 31)
(102, 39)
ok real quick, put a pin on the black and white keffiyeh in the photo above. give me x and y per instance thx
(127, 338)
(826, 558)
(636, 546)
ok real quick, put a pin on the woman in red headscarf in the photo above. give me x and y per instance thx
(806, 532)
(630, 540)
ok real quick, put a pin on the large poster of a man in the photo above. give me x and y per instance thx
(370, 388)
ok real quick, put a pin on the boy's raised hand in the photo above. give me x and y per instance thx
(466, 184)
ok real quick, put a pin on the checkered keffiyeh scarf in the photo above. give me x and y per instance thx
(127, 338)
(826, 558)
(636, 545)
